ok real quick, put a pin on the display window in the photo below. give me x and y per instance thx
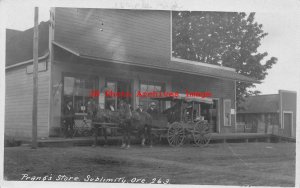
(148, 86)
(77, 89)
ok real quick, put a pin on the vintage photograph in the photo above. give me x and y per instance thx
(151, 96)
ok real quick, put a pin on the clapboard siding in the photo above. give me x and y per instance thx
(218, 87)
(18, 103)
(127, 35)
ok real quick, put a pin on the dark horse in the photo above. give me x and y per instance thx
(128, 121)
(134, 120)
(142, 122)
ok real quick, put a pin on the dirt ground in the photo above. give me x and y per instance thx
(255, 164)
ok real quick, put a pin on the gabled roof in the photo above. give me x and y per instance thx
(260, 104)
(19, 44)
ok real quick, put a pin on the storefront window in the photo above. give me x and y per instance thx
(77, 90)
(111, 101)
(149, 87)
(117, 86)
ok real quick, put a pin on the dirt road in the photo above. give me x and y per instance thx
(263, 164)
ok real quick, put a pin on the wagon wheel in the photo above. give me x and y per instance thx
(176, 134)
(201, 134)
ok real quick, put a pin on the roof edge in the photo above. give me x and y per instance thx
(26, 62)
(66, 48)
(266, 112)
(202, 64)
(251, 80)
(263, 95)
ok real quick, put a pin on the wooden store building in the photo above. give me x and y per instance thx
(90, 49)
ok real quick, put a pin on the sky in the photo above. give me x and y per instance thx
(280, 18)
(283, 41)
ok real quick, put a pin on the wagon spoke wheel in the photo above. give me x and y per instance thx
(201, 134)
(175, 134)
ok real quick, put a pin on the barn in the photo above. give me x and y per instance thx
(90, 49)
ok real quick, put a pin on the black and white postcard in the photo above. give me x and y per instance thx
(167, 93)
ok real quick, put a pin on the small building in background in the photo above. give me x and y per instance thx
(271, 114)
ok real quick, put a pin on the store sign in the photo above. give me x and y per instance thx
(41, 67)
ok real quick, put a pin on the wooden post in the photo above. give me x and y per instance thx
(35, 79)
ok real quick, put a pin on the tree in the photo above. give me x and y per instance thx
(230, 39)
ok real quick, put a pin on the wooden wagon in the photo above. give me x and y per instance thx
(180, 121)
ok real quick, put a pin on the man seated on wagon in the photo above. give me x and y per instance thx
(173, 113)
(152, 110)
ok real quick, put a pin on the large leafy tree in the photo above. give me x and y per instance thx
(223, 38)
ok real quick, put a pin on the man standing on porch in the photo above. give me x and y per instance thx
(69, 119)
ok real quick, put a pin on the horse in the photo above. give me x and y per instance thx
(138, 120)
(142, 122)
(128, 121)
(107, 116)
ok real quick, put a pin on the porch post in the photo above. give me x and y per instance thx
(101, 99)
(134, 91)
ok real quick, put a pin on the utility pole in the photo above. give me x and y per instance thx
(35, 77)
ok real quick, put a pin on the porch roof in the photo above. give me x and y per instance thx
(169, 65)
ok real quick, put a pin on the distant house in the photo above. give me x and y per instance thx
(81, 50)
(275, 114)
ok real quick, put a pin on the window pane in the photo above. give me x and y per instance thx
(149, 87)
(69, 85)
(143, 87)
(111, 100)
(77, 90)
(111, 86)
(157, 88)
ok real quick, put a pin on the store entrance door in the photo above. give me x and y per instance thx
(210, 113)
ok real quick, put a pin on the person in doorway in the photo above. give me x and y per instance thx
(91, 108)
(68, 119)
